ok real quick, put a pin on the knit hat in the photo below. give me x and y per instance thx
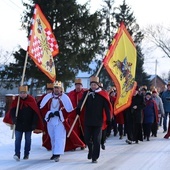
(148, 93)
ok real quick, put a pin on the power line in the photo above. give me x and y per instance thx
(12, 4)
(15, 4)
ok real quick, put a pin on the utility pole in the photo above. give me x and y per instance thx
(156, 63)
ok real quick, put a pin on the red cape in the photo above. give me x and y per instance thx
(30, 101)
(106, 96)
(75, 97)
(73, 141)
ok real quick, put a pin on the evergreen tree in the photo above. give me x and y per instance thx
(78, 35)
(115, 15)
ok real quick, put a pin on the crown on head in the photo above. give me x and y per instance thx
(57, 84)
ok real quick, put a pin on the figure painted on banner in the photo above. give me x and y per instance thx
(26, 120)
(97, 100)
(56, 106)
(150, 115)
(45, 136)
(166, 103)
(161, 112)
(75, 96)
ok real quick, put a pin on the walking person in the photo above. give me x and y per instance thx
(150, 115)
(27, 120)
(56, 105)
(137, 106)
(75, 96)
(97, 101)
(166, 103)
(161, 113)
(134, 118)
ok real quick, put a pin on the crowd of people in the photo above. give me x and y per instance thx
(85, 118)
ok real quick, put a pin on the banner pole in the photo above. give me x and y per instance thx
(75, 120)
(22, 81)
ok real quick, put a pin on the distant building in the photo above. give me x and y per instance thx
(157, 82)
(85, 76)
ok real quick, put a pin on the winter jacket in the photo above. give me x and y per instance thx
(166, 100)
(159, 103)
(94, 106)
(150, 112)
(137, 113)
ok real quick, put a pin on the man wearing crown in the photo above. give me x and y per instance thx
(97, 110)
(75, 96)
(56, 106)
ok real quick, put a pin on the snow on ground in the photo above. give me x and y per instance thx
(147, 155)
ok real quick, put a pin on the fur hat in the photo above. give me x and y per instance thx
(50, 86)
(94, 79)
(78, 81)
(148, 93)
(23, 89)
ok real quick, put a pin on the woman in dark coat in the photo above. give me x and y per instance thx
(150, 115)
(136, 109)
(134, 118)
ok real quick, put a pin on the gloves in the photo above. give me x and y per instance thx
(56, 113)
(108, 122)
(78, 111)
(50, 116)
(33, 127)
(14, 121)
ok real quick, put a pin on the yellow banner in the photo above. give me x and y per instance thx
(42, 44)
(120, 62)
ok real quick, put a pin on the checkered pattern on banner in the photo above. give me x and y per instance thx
(36, 50)
(51, 40)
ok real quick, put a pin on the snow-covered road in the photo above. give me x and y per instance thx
(147, 155)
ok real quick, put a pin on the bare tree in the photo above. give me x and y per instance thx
(158, 36)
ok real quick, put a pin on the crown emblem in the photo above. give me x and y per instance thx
(57, 84)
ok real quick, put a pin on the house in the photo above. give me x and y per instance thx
(157, 82)
(85, 76)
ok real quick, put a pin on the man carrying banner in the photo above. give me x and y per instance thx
(97, 101)
(26, 120)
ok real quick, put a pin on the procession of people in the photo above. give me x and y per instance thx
(87, 115)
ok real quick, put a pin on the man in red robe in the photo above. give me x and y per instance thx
(75, 96)
(25, 120)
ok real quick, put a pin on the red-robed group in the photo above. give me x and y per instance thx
(54, 114)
